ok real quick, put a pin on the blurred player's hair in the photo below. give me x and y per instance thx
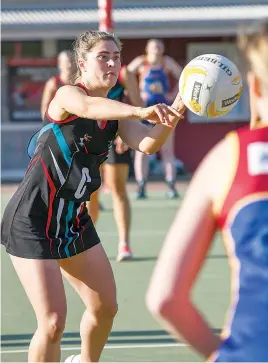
(253, 42)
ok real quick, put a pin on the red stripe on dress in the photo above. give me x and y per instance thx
(78, 224)
(68, 119)
(80, 85)
(51, 199)
(32, 162)
(102, 124)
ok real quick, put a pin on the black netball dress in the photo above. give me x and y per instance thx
(47, 217)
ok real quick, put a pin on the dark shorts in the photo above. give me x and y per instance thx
(115, 158)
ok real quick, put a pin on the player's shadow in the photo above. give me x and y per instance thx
(216, 257)
(135, 259)
(116, 337)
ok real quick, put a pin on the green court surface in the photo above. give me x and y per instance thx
(136, 336)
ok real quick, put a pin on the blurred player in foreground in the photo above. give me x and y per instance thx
(229, 192)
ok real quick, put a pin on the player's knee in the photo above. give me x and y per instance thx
(106, 311)
(119, 191)
(55, 325)
(168, 158)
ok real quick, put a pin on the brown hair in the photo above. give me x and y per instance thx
(88, 40)
(253, 42)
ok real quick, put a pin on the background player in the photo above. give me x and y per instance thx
(66, 70)
(229, 191)
(154, 70)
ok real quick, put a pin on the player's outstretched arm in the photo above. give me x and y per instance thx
(183, 255)
(149, 140)
(71, 100)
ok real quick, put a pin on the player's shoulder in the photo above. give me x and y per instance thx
(137, 62)
(52, 82)
(221, 162)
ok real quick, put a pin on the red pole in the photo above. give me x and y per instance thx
(105, 15)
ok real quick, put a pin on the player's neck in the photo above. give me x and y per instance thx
(154, 60)
(65, 77)
(93, 90)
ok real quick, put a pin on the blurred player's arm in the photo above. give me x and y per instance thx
(49, 91)
(135, 64)
(175, 70)
(183, 255)
(131, 85)
(149, 140)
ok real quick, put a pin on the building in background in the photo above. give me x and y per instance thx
(34, 32)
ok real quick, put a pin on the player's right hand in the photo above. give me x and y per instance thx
(159, 114)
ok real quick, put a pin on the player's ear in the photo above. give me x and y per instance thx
(255, 83)
(254, 95)
(81, 64)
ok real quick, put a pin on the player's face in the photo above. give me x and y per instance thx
(258, 102)
(64, 63)
(155, 48)
(103, 64)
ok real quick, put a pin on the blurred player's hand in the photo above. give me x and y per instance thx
(120, 146)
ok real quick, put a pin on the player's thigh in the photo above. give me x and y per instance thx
(93, 203)
(42, 282)
(116, 176)
(91, 275)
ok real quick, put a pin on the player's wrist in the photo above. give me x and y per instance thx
(138, 112)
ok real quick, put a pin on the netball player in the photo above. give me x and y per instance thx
(229, 192)
(154, 70)
(46, 228)
(66, 70)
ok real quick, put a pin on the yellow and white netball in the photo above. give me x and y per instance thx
(210, 85)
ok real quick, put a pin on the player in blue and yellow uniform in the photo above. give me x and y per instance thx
(154, 71)
(46, 228)
(229, 192)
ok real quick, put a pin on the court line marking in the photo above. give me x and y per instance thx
(171, 345)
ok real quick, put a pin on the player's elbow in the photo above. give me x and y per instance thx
(158, 304)
(147, 149)
(164, 307)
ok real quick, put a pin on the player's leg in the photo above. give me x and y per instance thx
(91, 275)
(116, 176)
(42, 282)
(93, 206)
(141, 169)
(169, 164)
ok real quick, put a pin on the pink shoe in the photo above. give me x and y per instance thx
(124, 253)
